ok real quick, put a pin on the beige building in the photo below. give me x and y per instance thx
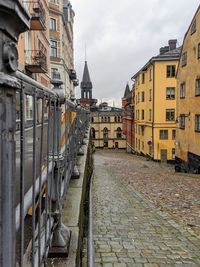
(155, 105)
(106, 127)
(188, 101)
(61, 20)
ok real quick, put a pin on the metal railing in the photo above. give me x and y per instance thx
(50, 134)
(41, 134)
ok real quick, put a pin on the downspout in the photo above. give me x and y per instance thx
(153, 111)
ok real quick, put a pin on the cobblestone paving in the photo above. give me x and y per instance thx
(130, 231)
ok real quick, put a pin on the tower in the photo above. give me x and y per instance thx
(86, 89)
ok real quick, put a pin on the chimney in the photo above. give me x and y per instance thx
(172, 44)
(164, 50)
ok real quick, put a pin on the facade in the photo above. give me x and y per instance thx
(33, 46)
(61, 20)
(86, 99)
(188, 101)
(48, 45)
(155, 105)
(106, 127)
(128, 119)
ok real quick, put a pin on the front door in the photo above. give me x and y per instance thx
(163, 155)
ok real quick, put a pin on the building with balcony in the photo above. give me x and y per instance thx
(34, 46)
(188, 101)
(128, 118)
(106, 127)
(155, 105)
(61, 21)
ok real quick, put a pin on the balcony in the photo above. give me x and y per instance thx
(72, 75)
(38, 16)
(36, 61)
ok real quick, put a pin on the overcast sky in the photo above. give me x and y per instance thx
(121, 36)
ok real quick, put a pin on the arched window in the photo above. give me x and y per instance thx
(93, 133)
(119, 132)
(105, 133)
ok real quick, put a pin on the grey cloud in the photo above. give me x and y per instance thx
(122, 35)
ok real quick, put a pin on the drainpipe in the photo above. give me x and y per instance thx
(153, 110)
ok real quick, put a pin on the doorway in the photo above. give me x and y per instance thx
(163, 155)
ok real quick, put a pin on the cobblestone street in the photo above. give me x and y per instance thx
(129, 230)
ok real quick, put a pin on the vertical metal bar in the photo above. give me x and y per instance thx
(22, 142)
(53, 158)
(34, 175)
(7, 177)
(47, 208)
(40, 184)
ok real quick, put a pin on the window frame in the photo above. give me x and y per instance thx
(164, 134)
(171, 70)
(182, 122)
(170, 111)
(182, 90)
(54, 48)
(54, 24)
(170, 95)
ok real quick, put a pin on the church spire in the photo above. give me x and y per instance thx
(86, 81)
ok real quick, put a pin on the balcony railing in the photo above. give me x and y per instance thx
(38, 16)
(72, 75)
(36, 61)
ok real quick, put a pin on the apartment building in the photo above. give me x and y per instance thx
(33, 46)
(155, 105)
(188, 101)
(61, 20)
(106, 127)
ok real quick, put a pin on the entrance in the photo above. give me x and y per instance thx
(163, 155)
(105, 144)
(116, 145)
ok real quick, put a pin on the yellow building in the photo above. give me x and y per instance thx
(106, 127)
(188, 101)
(155, 105)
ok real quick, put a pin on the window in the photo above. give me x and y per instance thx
(197, 91)
(138, 97)
(150, 114)
(142, 114)
(93, 133)
(184, 59)
(105, 133)
(54, 1)
(142, 145)
(150, 74)
(53, 70)
(198, 52)
(142, 97)
(138, 114)
(54, 48)
(92, 119)
(53, 24)
(108, 119)
(143, 78)
(170, 93)
(182, 121)
(193, 27)
(182, 90)
(173, 134)
(171, 71)
(150, 94)
(119, 132)
(142, 129)
(170, 114)
(197, 123)
(163, 134)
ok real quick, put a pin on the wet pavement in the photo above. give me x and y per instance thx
(129, 230)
